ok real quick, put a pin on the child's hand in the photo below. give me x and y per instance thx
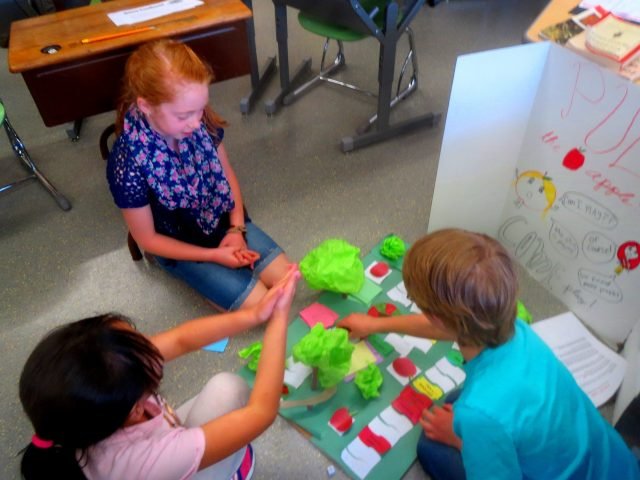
(438, 425)
(283, 305)
(358, 324)
(233, 257)
(247, 257)
(273, 298)
(234, 239)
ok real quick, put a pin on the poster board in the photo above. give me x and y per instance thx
(541, 150)
(435, 359)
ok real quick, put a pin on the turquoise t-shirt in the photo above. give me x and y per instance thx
(522, 415)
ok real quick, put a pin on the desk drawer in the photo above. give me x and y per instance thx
(74, 90)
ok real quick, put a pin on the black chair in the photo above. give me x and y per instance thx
(25, 159)
(341, 20)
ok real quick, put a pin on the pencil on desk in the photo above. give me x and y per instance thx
(109, 36)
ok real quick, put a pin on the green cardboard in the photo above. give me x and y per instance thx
(315, 420)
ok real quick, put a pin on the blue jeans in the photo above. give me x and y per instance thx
(440, 461)
(226, 287)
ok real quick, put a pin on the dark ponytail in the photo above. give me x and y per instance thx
(41, 463)
(78, 387)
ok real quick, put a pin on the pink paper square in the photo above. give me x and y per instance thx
(318, 313)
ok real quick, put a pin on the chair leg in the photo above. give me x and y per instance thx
(336, 65)
(411, 87)
(134, 250)
(23, 155)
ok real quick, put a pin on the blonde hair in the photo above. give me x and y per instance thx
(155, 69)
(468, 281)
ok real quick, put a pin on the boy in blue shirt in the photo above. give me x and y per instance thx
(520, 413)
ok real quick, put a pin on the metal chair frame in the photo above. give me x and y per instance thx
(25, 159)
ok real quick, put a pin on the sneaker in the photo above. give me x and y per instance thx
(245, 472)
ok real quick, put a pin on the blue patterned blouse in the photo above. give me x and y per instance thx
(188, 192)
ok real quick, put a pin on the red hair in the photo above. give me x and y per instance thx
(155, 69)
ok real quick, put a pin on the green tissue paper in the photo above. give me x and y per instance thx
(327, 350)
(335, 266)
(392, 247)
(523, 314)
(368, 380)
(252, 352)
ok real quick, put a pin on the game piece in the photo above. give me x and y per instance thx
(383, 310)
(404, 367)
(392, 247)
(455, 357)
(218, 346)
(341, 420)
(379, 269)
(369, 381)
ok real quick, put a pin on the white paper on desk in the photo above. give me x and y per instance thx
(151, 11)
(629, 9)
(597, 369)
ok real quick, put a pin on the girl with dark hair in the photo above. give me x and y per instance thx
(90, 390)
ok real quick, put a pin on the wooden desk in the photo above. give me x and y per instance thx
(555, 12)
(81, 80)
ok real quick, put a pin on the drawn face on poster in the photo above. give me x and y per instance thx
(573, 213)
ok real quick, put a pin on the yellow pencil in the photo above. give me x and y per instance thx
(109, 36)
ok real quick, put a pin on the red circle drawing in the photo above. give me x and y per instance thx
(380, 269)
(404, 367)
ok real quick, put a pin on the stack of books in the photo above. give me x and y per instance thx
(611, 42)
(562, 32)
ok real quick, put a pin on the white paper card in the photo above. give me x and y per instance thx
(451, 371)
(596, 368)
(398, 421)
(390, 432)
(422, 344)
(399, 343)
(295, 372)
(359, 457)
(399, 296)
(151, 11)
(437, 378)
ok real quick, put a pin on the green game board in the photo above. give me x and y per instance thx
(395, 462)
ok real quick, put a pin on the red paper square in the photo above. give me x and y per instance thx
(411, 403)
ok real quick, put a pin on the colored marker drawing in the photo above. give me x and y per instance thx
(535, 190)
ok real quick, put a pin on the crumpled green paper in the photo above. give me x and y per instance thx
(392, 247)
(368, 380)
(523, 314)
(252, 352)
(327, 350)
(334, 265)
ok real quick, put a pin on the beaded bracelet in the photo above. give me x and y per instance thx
(238, 229)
